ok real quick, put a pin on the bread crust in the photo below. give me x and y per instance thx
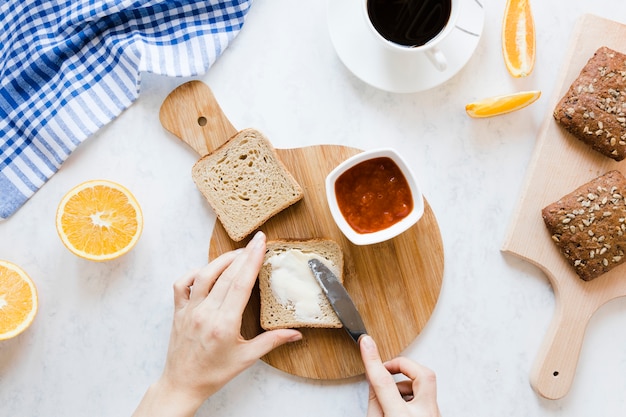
(273, 314)
(594, 107)
(588, 225)
(246, 183)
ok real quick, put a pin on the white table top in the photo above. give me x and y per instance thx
(101, 334)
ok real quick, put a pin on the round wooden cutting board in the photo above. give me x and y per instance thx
(395, 285)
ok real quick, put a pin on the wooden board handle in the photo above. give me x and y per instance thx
(192, 114)
(556, 361)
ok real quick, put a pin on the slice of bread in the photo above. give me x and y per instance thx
(245, 183)
(290, 295)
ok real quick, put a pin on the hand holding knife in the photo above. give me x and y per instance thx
(418, 394)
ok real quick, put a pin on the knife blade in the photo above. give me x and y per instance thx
(339, 299)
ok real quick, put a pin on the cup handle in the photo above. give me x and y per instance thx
(437, 58)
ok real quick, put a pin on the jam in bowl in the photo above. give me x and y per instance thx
(373, 196)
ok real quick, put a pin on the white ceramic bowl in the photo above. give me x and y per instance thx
(391, 231)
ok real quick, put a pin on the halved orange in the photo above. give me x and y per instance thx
(99, 220)
(18, 300)
(518, 38)
(497, 105)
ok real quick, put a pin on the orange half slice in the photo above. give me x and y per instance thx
(18, 300)
(99, 220)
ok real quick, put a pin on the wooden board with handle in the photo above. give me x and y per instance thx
(560, 163)
(395, 284)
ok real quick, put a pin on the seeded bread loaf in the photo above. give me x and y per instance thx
(589, 225)
(594, 108)
(245, 183)
(288, 304)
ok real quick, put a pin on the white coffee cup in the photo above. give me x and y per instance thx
(416, 12)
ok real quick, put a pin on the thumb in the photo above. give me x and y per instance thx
(383, 386)
(270, 340)
(371, 357)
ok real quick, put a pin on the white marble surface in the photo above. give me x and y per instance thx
(101, 333)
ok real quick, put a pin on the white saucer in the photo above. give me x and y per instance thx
(387, 70)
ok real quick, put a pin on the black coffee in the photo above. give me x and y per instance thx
(409, 22)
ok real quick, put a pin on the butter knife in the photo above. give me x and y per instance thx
(339, 299)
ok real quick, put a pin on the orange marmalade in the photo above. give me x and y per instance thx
(373, 195)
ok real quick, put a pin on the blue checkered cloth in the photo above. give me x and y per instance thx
(68, 67)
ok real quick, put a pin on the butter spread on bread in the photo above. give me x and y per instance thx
(292, 285)
(290, 295)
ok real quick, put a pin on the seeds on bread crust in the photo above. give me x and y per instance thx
(589, 225)
(594, 107)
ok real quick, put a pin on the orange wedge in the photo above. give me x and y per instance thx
(518, 38)
(99, 220)
(494, 106)
(18, 300)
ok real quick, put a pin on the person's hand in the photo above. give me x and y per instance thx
(415, 396)
(206, 349)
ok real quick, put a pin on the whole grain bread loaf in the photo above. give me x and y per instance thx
(594, 107)
(245, 183)
(280, 308)
(589, 225)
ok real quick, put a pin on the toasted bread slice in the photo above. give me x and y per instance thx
(290, 295)
(245, 183)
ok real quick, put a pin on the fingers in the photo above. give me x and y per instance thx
(202, 280)
(206, 277)
(405, 388)
(235, 284)
(420, 388)
(381, 381)
(182, 290)
(270, 340)
(231, 275)
(424, 380)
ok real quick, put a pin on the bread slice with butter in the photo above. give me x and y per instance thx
(245, 183)
(290, 295)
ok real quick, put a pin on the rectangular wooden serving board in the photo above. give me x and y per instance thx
(561, 163)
